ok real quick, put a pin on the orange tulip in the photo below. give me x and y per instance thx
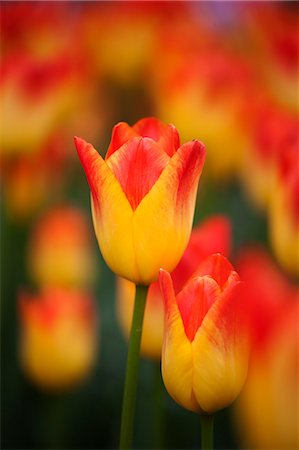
(60, 251)
(58, 339)
(212, 235)
(267, 410)
(143, 197)
(205, 346)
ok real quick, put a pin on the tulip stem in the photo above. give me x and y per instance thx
(127, 418)
(207, 427)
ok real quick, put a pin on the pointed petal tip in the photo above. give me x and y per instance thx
(166, 286)
(78, 140)
(164, 276)
(80, 144)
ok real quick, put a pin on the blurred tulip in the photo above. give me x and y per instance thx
(273, 131)
(273, 30)
(205, 345)
(268, 291)
(110, 33)
(30, 181)
(212, 235)
(143, 197)
(43, 33)
(267, 410)
(58, 340)
(284, 208)
(36, 95)
(206, 94)
(60, 251)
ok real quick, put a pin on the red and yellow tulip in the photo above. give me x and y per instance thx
(58, 340)
(205, 345)
(212, 235)
(143, 196)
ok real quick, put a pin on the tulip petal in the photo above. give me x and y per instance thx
(111, 211)
(165, 135)
(220, 351)
(163, 219)
(177, 363)
(194, 301)
(137, 165)
(121, 134)
(216, 266)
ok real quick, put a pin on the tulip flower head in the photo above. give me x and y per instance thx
(58, 339)
(60, 251)
(143, 197)
(205, 348)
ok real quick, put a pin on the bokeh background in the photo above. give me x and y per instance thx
(222, 72)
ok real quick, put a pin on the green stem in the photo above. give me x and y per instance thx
(127, 418)
(207, 426)
(158, 407)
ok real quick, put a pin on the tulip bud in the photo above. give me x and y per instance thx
(212, 235)
(60, 251)
(205, 346)
(143, 197)
(58, 341)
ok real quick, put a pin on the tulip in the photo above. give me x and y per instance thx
(212, 235)
(143, 197)
(205, 346)
(37, 94)
(284, 209)
(272, 30)
(27, 179)
(58, 339)
(194, 95)
(273, 130)
(267, 410)
(110, 32)
(268, 291)
(60, 251)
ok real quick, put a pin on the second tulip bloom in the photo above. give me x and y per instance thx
(205, 347)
